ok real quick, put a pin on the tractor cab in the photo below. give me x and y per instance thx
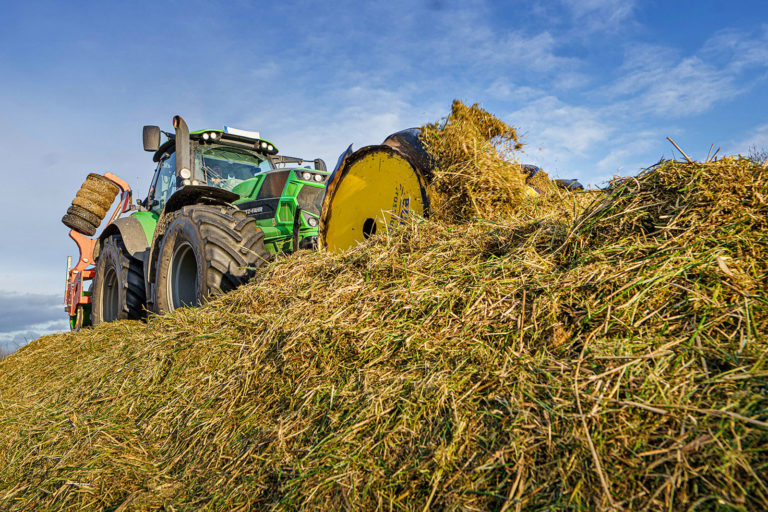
(220, 159)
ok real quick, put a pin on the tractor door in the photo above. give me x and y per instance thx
(163, 184)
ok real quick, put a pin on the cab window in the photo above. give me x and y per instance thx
(226, 167)
(164, 184)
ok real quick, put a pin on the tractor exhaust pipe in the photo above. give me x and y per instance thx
(183, 153)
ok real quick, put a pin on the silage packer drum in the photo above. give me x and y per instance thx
(375, 189)
(88, 209)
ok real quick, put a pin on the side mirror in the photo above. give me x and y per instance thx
(320, 164)
(151, 136)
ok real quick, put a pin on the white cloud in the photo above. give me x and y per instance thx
(22, 311)
(691, 87)
(505, 90)
(756, 139)
(534, 53)
(654, 84)
(468, 38)
(367, 115)
(12, 341)
(560, 129)
(739, 50)
(601, 15)
(626, 153)
(655, 80)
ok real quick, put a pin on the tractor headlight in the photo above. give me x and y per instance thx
(271, 147)
(264, 145)
(306, 175)
(214, 135)
(318, 178)
(206, 136)
(185, 174)
(312, 221)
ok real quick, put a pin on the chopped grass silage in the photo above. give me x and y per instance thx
(545, 357)
(475, 174)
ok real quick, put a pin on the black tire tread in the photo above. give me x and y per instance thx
(104, 188)
(91, 206)
(85, 214)
(233, 246)
(131, 275)
(79, 224)
(101, 200)
(225, 234)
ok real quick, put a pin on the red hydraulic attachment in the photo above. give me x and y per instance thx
(74, 297)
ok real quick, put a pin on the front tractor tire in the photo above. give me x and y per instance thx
(118, 286)
(206, 251)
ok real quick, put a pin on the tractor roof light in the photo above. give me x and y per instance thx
(306, 175)
(319, 178)
(242, 133)
(312, 221)
(209, 137)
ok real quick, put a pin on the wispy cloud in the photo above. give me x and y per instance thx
(21, 310)
(555, 130)
(601, 15)
(739, 50)
(27, 316)
(656, 80)
(755, 139)
(624, 156)
(12, 341)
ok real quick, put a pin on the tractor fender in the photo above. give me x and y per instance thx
(133, 236)
(198, 194)
(185, 196)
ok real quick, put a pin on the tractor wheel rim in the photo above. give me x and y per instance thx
(110, 307)
(182, 281)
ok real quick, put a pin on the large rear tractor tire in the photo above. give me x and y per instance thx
(118, 287)
(206, 251)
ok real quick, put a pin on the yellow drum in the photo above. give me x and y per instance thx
(376, 189)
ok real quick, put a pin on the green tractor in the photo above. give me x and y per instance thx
(221, 203)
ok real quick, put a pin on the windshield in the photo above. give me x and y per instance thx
(226, 167)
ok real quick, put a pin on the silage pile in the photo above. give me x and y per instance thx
(543, 358)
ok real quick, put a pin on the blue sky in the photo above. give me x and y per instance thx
(594, 87)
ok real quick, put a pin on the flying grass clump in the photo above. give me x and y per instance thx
(475, 174)
(557, 358)
(472, 177)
